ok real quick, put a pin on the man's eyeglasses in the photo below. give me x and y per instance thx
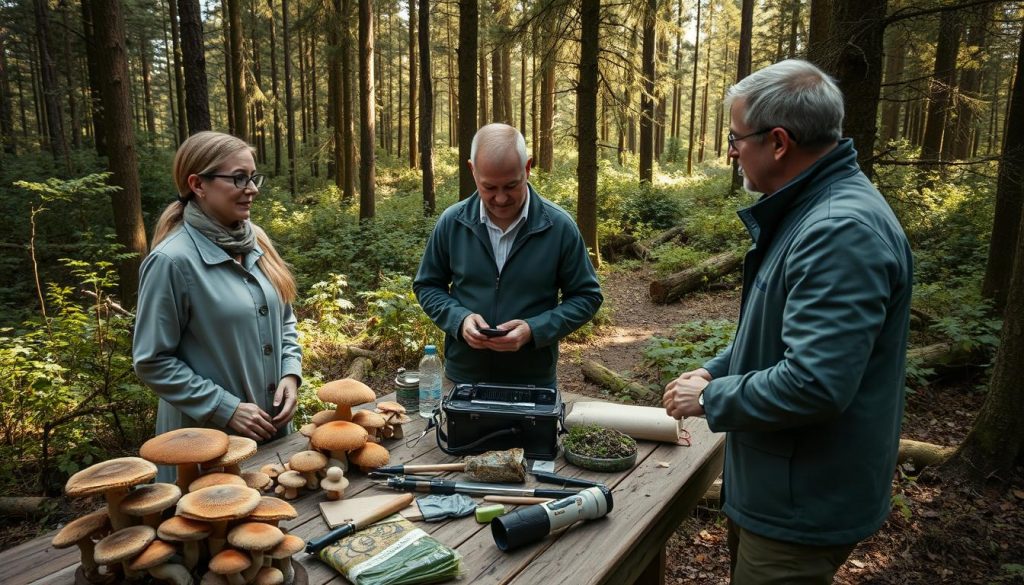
(240, 180)
(733, 139)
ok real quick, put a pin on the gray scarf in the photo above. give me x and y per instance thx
(235, 241)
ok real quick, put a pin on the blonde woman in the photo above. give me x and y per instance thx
(215, 335)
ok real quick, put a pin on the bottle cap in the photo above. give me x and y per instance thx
(429, 349)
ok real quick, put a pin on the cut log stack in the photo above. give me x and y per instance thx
(670, 288)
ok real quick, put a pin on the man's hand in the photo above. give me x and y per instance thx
(287, 397)
(249, 420)
(519, 334)
(680, 398)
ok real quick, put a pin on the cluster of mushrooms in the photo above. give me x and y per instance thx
(354, 438)
(220, 521)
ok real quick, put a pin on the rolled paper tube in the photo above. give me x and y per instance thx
(639, 422)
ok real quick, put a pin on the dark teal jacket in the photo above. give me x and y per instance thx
(458, 276)
(811, 389)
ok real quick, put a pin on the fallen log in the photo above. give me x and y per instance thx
(944, 354)
(359, 369)
(626, 245)
(24, 506)
(922, 454)
(602, 376)
(355, 351)
(672, 287)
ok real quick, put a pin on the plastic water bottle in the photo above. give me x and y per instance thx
(430, 381)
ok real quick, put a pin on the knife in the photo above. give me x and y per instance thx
(365, 519)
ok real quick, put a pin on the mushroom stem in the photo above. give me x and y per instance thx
(311, 480)
(257, 564)
(340, 459)
(172, 573)
(343, 412)
(118, 519)
(234, 468)
(218, 536)
(89, 566)
(187, 473)
(235, 579)
(287, 570)
(191, 554)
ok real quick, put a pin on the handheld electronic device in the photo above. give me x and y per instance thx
(492, 332)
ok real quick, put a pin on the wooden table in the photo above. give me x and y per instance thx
(627, 546)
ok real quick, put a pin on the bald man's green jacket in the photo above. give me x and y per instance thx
(547, 280)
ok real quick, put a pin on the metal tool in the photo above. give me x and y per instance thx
(554, 478)
(444, 486)
(532, 523)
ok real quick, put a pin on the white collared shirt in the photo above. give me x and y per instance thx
(501, 240)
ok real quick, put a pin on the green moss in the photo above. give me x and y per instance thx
(595, 441)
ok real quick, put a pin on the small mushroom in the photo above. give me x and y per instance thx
(149, 502)
(395, 423)
(80, 532)
(255, 537)
(268, 576)
(371, 421)
(272, 510)
(154, 559)
(186, 531)
(111, 478)
(323, 417)
(334, 484)
(217, 505)
(186, 448)
(123, 546)
(273, 469)
(230, 563)
(345, 393)
(239, 449)
(291, 481)
(257, 480)
(370, 456)
(308, 463)
(282, 555)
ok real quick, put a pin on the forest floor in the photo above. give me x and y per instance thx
(936, 533)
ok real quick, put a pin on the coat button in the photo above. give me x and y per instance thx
(268, 349)
(264, 310)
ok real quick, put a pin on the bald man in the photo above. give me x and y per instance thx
(505, 273)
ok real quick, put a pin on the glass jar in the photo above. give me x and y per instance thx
(407, 389)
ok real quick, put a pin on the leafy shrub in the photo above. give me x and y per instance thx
(691, 345)
(396, 321)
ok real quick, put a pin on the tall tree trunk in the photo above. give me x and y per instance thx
(484, 116)
(239, 94)
(1006, 225)
(69, 79)
(92, 58)
(335, 109)
(995, 444)
(743, 65)
(426, 136)
(693, 94)
(647, 96)
(303, 110)
(895, 59)
(197, 97)
(943, 80)
(468, 36)
(289, 109)
(970, 82)
(316, 105)
(7, 136)
(818, 45)
(179, 75)
(48, 82)
(274, 87)
(145, 59)
(794, 25)
(586, 120)
(349, 148)
(858, 27)
(127, 200)
(367, 115)
(229, 86)
(660, 104)
(413, 86)
(707, 84)
(677, 88)
(547, 98)
(523, 75)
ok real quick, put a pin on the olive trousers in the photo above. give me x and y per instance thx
(757, 560)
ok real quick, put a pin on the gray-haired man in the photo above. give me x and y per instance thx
(810, 391)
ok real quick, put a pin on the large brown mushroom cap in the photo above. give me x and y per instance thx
(271, 509)
(150, 499)
(369, 456)
(182, 529)
(124, 544)
(390, 406)
(239, 449)
(122, 472)
(229, 562)
(255, 536)
(257, 480)
(188, 445)
(216, 478)
(322, 417)
(368, 419)
(307, 461)
(339, 436)
(269, 576)
(346, 393)
(79, 528)
(288, 546)
(219, 502)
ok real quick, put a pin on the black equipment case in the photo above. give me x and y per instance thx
(486, 417)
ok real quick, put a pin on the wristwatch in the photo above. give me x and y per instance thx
(700, 399)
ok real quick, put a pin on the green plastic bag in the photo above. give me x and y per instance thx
(392, 551)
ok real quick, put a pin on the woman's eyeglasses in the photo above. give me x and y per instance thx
(241, 181)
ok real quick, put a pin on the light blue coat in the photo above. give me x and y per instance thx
(209, 331)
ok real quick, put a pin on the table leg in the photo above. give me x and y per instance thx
(654, 572)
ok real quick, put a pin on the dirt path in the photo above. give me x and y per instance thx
(635, 319)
